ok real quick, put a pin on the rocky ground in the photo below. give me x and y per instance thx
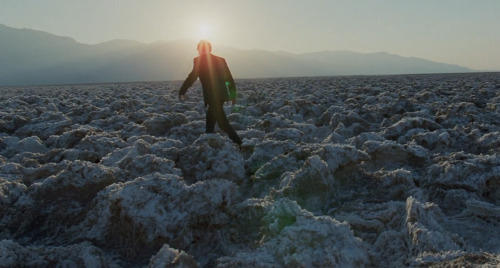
(387, 171)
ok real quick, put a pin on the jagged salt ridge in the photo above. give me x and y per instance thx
(334, 172)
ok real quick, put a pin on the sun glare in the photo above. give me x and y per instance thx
(205, 31)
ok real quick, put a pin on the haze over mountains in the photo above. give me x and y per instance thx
(29, 57)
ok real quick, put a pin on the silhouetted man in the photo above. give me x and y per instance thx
(218, 87)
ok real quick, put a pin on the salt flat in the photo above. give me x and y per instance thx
(363, 171)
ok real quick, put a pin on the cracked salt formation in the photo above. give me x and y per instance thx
(396, 171)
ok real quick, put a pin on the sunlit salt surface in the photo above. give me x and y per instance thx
(384, 171)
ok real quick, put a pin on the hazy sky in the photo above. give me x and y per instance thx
(464, 32)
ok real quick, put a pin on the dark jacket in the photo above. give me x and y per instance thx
(215, 77)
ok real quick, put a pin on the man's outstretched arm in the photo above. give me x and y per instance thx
(193, 75)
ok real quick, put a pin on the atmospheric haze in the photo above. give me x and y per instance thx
(451, 31)
(34, 58)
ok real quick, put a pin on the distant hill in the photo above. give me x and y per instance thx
(29, 57)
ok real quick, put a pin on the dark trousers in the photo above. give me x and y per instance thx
(215, 114)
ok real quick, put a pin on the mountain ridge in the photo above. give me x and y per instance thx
(32, 57)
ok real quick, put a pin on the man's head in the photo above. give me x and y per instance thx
(204, 47)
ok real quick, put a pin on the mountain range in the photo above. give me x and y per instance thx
(29, 57)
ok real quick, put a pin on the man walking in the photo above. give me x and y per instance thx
(218, 87)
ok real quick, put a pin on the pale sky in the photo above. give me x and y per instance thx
(463, 32)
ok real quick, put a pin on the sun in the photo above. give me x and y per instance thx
(205, 31)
